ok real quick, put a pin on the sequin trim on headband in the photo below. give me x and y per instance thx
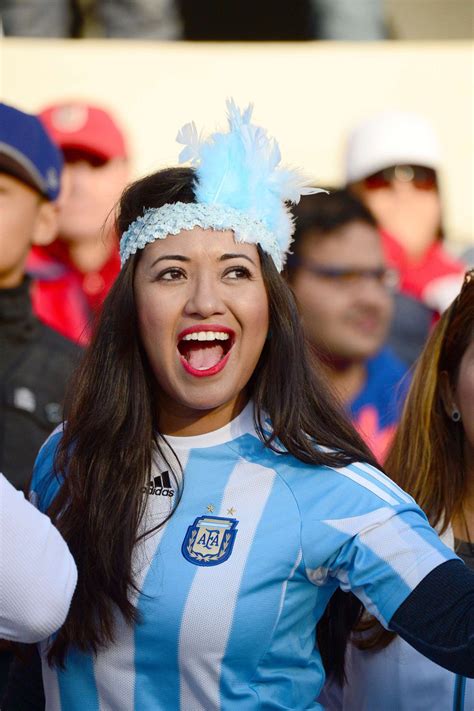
(170, 219)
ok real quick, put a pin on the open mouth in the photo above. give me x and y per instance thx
(205, 350)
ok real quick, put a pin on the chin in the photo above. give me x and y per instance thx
(362, 354)
(205, 401)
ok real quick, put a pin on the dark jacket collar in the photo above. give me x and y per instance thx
(16, 314)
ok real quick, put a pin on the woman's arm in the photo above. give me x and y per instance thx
(37, 572)
(437, 618)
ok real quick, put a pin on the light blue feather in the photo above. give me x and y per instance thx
(240, 168)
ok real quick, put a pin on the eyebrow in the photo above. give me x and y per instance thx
(236, 256)
(182, 258)
(171, 257)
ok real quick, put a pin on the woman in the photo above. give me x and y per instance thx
(393, 164)
(432, 457)
(206, 482)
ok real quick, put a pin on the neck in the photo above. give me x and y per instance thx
(90, 255)
(181, 421)
(346, 376)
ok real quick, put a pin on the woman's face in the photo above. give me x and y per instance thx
(203, 316)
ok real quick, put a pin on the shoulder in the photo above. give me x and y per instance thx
(58, 344)
(327, 493)
(320, 488)
(442, 262)
(386, 363)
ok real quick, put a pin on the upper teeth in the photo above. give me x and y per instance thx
(206, 336)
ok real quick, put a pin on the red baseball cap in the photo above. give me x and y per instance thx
(79, 126)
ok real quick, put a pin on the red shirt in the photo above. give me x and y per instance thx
(435, 278)
(65, 298)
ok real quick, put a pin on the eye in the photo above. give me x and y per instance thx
(348, 277)
(171, 274)
(237, 273)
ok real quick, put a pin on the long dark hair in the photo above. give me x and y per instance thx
(106, 451)
(426, 457)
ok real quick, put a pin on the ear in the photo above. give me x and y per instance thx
(446, 392)
(46, 223)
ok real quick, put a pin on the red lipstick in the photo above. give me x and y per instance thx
(186, 348)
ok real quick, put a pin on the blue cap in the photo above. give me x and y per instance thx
(28, 153)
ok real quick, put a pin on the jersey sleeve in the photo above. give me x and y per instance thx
(45, 483)
(376, 542)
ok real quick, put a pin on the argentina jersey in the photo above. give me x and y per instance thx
(233, 584)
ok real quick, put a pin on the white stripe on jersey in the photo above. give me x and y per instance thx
(114, 667)
(285, 584)
(350, 474)
(357, 525)
(376, 474)
(247, 491)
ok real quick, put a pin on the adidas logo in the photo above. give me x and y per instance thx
(159, 486)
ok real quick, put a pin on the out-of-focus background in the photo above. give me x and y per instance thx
(308, 93)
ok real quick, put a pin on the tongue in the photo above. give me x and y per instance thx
(205, 357)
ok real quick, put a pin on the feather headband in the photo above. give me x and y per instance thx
(240, 186)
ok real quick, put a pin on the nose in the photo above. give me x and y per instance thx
(371, 291)
(403, 188)
(204, 298)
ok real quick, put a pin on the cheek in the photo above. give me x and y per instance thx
(17, 223)
(258, 321)
(378, 201)
(262, 314)
(309, 298)
(151, 325)
(386, 305)
(430, 206)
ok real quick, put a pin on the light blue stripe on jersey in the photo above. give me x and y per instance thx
(157, 665)
(77, 687)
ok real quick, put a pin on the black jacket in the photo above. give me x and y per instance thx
(35, 366)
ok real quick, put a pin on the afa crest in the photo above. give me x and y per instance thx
(209, 541)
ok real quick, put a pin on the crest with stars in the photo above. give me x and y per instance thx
(210, 540)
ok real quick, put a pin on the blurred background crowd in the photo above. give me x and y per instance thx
(375, 263)
(240, 21)
(381, 116)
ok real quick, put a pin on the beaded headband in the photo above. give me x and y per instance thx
(240, 186)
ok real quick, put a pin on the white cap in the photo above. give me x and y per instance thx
(387, 139)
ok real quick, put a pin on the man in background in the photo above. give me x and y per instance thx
(74, 274)
(344, 292)
(35, 361)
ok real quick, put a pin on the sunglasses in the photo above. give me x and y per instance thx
(422, 178)
(386, 278)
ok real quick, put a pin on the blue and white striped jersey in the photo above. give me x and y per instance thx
(233, 585)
